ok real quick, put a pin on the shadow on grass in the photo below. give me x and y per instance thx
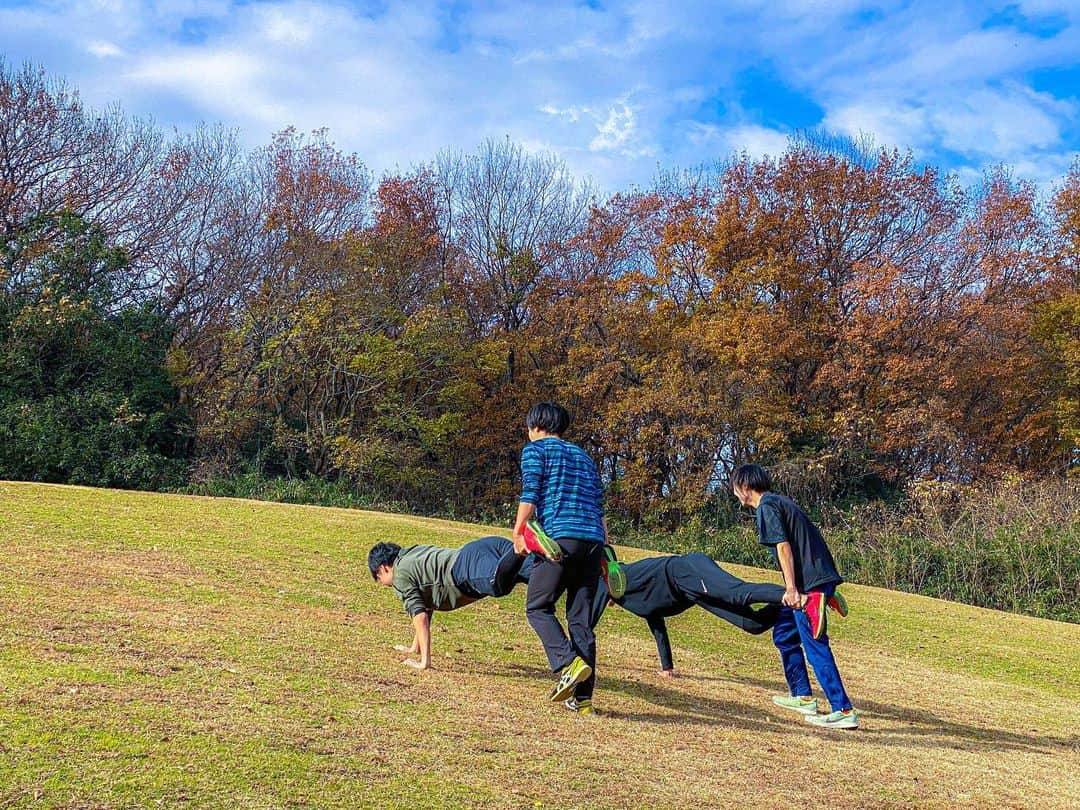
(920, 728)
(683, 708)
(924, 729)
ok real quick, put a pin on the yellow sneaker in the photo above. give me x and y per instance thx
(583, 707)
(574, 673)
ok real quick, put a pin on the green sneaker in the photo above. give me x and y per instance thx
(574, 673)
(838, 603)
(583, 707)
(848, 719)
(613, 573)
(798, 704)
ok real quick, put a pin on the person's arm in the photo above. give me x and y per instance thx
(772, 532)
(663, 644)
(422, 627)
(607, 535)
(792, 597)
(525, 513)
(532, 471)
(412, 599)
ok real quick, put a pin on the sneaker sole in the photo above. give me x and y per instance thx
(819, 631)
(846, 725)
(559, 694)
(805, 711)
(616, 581)
(841, 604)
(548, 547)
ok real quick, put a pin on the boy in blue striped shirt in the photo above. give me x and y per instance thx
(561, 489)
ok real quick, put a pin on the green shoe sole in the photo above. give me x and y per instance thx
(614, 575)
(802, 708)
(836, 720)
(838, 603)
(616, 582)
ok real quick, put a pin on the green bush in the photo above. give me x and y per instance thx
(84, 395)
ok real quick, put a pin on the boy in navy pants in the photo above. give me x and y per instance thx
(810, 580)
(561, 488)
(660, 587)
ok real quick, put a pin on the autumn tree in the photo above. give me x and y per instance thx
(1057, 326)
(58, 158)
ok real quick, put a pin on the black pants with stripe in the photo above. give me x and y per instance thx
(577, 575)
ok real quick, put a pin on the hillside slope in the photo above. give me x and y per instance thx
(181, 651)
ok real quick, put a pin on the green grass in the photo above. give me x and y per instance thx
(163, 650)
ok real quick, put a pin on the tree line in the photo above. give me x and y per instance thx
(176, 310)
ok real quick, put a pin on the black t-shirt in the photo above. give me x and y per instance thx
(780, 519)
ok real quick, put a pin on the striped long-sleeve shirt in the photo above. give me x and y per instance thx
(562, 482)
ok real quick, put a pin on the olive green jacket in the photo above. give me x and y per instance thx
(423, 579)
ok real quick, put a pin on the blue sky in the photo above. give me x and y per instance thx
(616, 89)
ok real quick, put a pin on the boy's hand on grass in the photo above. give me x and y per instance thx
(667, 673)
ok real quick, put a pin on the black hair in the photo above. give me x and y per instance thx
(548, 417)
(752, 477)
(382, 554)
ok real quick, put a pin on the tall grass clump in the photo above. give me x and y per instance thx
(308, 489)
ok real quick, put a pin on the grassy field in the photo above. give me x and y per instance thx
(179, 651)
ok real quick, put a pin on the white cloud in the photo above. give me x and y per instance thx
(1048, 170)
(616, 131)
(103, 49)
(899, 124)
(757, 141)
(223, 82)
(615, 125)
(571, 114)
(287, 27)
(1039, 8)
(710, 141)
(1010, 124)
(948, 88)
(1006, 122)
